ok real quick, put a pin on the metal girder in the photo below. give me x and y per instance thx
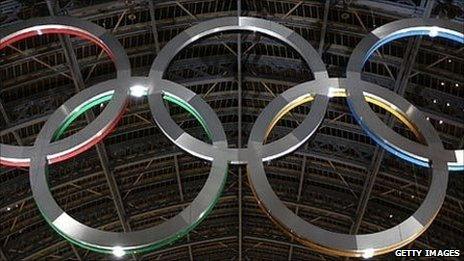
(181, 195)
(298, 197)
(297, 245)
(436, 62)
(390, 8)
(121, 16)
(376, 78)
(392, 176)
(303, 164)
(239, 129)
(190, 244)
(400, 88)
(268, 60)
(293, 9)
(53, 68)
(366, 192)
(80, 85)
(76, 252)
(8, 122)
(214, 80)
(179, 182)
(3, 256)
(319, 155)
(248, 198)
(361, 150)
(301, 24)
(394, 8)
(130, 163)
(324, 26)
(154, 29)
(137, 216)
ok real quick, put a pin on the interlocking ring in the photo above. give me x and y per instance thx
(319, 91)
(71, 146)
(386, 137)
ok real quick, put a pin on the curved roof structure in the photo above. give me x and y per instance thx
(340, 179)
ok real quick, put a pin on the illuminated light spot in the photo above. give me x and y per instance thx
(8, 208)
(138, 91)
(390, 216)
(428, 118)
(336, 92)
(442, 84)
(39, 32)
(449, 60)
(118, 251)
(435, 100)
(440, 122)
(202, 214)
(447, 104)
(457, 85)
(368, 253)
(433, 31)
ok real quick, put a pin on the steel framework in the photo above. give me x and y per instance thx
(335, 162)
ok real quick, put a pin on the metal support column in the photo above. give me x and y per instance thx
(154, 29)
(324, 26)
(239, 126)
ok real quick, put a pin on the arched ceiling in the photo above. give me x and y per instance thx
(339, 180)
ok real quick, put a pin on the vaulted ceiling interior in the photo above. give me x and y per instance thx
(340, 179)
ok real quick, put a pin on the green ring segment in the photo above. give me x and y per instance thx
(175, 100)
(80, 111)
(54, 220)
(76, 113)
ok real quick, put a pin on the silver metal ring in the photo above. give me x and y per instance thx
(47, 151)
(11, 155)
(164, 87)
(323, 240)
(105, 241)
(391, 141)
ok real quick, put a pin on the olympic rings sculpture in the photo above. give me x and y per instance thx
(48, 150)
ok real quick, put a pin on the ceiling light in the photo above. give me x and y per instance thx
(433, 31)
(138, 91)
(118, 251)
(333, 92)
(368, 253)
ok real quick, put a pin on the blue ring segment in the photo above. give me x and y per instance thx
(432, 31)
